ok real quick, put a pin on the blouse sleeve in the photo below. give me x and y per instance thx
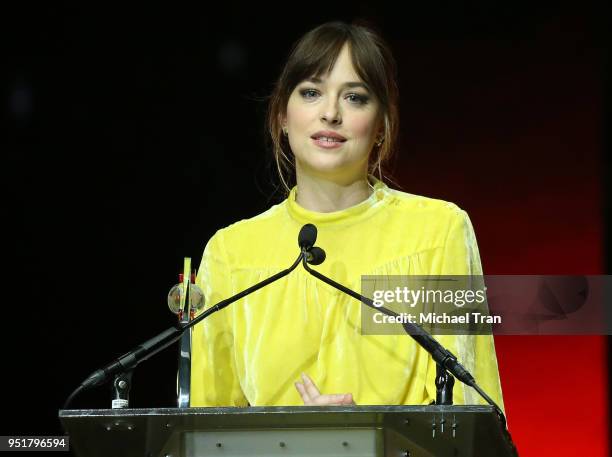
(213, 372)
(476, 353)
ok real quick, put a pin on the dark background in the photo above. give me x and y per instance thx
(134, 133)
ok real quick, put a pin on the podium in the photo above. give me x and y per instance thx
(329, 431)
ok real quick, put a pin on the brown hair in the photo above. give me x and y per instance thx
(314, 55)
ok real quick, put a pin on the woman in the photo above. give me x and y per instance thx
(333, 120)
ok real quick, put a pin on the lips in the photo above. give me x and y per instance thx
(326, 143)
(328, 137)
(323, 139)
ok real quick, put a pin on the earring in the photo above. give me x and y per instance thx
(285, 132)
(380, 142)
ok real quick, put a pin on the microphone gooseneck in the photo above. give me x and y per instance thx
(442, 356)
(131, 359)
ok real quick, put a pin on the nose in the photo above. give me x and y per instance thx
(331, 113)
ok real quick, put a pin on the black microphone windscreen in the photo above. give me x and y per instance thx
(317, 256)
(307, 236)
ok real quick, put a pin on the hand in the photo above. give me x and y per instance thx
(312, 397)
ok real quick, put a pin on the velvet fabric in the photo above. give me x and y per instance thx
(253, 352)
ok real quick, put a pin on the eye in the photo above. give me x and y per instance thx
(357, 99)
(308, 93)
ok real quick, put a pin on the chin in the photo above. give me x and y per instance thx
(326, 162)
(329, 166)
(330, 161)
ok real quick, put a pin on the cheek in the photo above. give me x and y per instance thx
(362, 126)
(298, 116)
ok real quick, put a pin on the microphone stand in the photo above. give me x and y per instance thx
(444, 358)
(129, 361)
(446, 361)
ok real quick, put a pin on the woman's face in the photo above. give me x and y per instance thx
(332, 124)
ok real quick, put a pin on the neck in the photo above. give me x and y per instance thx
(325, 196)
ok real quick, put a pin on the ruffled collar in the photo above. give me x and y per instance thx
(351, 215)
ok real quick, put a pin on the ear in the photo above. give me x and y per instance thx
(380, 131)
(283, 123)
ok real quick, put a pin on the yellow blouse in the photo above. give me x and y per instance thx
(253, 351)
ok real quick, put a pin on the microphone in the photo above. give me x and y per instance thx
(315, 256)
(307, 237)
(442, 356)
(306, 240)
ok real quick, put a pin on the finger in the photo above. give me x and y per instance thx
(348, 399)
(311, 388)
(302, 391)
(345, 400)
(331, 400)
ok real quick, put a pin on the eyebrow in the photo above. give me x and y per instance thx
(349, 84)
